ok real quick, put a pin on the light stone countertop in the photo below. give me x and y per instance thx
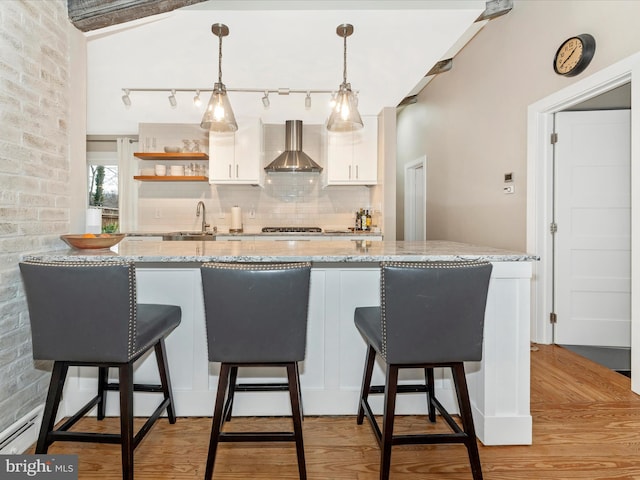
(347, 251)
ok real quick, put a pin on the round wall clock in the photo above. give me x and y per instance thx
(574, 55)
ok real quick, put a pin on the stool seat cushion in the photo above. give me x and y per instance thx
(367, 320)
(154, 322)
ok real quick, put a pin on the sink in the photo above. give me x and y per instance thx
(189, 236)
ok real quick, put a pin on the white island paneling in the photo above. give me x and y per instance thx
(342, 278)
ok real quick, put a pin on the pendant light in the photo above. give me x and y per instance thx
(344, 115)
(218, 117)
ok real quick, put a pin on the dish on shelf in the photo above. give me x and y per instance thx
(87, 242)
(172, 149)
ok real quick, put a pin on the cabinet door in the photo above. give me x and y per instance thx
(365, 152)
(352, 157)
(248, 152)
(221, 157)
(235, 158)
(339, 157)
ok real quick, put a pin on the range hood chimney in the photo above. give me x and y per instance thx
(293, 159)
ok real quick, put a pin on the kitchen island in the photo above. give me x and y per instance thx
(345, 275)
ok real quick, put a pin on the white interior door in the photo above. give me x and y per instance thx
(592, 253)
(415, 188)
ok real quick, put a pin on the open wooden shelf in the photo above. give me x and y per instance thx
(170, 178)
(171, 156)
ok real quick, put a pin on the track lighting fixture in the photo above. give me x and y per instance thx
(126, 99)
(266, 92)
(345, 116)
(172, 99)
(219, 117)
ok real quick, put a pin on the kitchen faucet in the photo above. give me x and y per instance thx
(205, 225)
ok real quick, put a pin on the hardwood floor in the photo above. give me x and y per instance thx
(586, 425)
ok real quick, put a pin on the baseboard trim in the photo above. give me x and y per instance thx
(20, 436)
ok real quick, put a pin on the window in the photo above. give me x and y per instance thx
(102, 181)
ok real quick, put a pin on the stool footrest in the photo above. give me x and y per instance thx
(79, 414)
(428, 439)
(261, 387)
(415, 388)
(137, 387)
(447, 417)
(257, 437)
(64, 436)
(149, 423)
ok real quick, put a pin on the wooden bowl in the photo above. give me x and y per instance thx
(104, 240)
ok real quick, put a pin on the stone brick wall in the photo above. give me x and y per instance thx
(34, 178)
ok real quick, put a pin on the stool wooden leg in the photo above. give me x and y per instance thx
(233, 379)
(54, 394)
(163, 369)
(299, 391)
(103, 379)
(428, 375)
(294, 393)
(471, 443)
(390, 391)
(125, 373)
(366, 382)
(223, 382)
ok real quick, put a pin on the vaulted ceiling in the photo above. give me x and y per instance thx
(165, 44)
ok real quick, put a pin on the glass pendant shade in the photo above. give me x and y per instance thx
(219, 117)
(344, 115)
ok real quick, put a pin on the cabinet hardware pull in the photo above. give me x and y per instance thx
(229, 170)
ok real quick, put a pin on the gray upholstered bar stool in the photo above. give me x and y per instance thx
(86, 314)
(256, 315)
(431, 315)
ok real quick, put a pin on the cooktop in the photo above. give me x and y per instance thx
(291, 230)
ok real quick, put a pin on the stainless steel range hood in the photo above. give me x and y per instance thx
(293, 159)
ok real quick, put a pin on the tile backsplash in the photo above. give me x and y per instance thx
(286, 199)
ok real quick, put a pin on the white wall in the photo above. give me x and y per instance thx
(471, 122)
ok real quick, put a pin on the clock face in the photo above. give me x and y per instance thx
(574, 55)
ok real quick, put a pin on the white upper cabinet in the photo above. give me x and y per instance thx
(352, 157)
(236, 158)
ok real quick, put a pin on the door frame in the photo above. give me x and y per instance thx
(409, 192)
(540, 185)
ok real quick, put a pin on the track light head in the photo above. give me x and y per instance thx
(172, 99)
(126, 99)
(196, 100)
(307, 101)
(265, 100)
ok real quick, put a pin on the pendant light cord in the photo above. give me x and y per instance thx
(219, 58)
(344, 76)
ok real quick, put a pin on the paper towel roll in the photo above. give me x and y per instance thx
(236, 219)
(94, 220)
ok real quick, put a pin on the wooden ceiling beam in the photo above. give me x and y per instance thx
(87, 15)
